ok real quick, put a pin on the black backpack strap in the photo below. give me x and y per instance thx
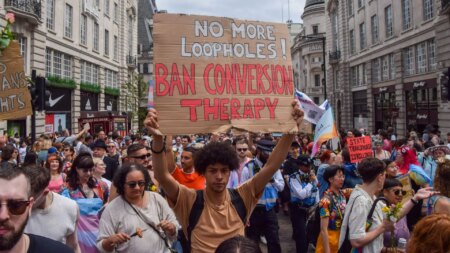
(372, 209)
(196, 212)
(238, 204)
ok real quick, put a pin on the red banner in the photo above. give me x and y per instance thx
(359, 148)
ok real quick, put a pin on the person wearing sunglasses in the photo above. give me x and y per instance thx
(69, 155)
(113, 153)
(135, 209)
(90, 195)
(241, 146)
(16, 203)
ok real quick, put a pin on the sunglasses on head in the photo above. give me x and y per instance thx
(132, 184)
(397, 192)
(242, 149)
(142, 157)
(16, 207)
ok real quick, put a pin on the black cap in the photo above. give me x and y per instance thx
(99, 144)
(304, 160)
(295, 144)
(265, 145)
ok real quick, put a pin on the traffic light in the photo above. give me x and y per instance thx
(445, 83)
(40, 94)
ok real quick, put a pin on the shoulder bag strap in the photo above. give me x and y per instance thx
(347, 231)
(238, 203)
(196, 212)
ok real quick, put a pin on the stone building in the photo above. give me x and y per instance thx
(384, 64)
(86, 49)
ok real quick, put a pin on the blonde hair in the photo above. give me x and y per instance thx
(96, 160)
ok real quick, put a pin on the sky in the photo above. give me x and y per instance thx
(260, 10)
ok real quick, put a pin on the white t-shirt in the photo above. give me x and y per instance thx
(360, 204)
(56, 222)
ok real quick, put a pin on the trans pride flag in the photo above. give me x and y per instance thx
(325, 129)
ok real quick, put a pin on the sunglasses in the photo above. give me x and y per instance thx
(16, 207)
(242, 149)
(132, 184)
(112, 146)
(397, 192)
(142, 157)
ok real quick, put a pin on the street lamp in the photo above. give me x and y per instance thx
(320, 36)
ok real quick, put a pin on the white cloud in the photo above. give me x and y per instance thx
(260, 10)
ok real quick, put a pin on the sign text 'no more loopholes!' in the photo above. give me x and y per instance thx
(212, 74)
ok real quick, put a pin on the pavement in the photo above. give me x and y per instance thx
(285, 233)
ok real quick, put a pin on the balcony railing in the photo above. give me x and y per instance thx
(27, 9)
(131, 61)
(334, 56)
(445, 10)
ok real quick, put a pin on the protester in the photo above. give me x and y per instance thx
(351, 174)
(99, 171)
(16, 204)
(435, 153)
(441, 202)
(136, 209)
(186, 175)
(291, 166)
(379, 152)
(215, 161)
(392, 170)
(326, 159)
(69, 156)
(113, 153)
(30, 159)
(242, 148)
(431, 235)
(54, 166)
(9, 154)
(99, 150)
(90, 196)
(51, 210)
(238, 244)
(332, 208)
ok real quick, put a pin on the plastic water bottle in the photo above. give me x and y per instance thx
(401, 244)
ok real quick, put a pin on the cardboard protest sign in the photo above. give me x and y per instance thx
(359, 148)
(15, 99)
(212, 74)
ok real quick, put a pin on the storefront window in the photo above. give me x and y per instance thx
(421, 108)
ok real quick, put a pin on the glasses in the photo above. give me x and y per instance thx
(132, 184)
(111, 146)
(66, 149)
(242, 149)
(142, 157)
(397, 192)
(16, 207)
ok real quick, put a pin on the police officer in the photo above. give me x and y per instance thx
(304, 196)
(263, 220)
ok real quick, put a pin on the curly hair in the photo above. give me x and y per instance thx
(121, 176)
(51, 158)
(216, 152)
(442, 178)
(431, 235)
(82, 161)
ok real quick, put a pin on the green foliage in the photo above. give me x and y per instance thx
(90, 87)
(112, 91)
(59, 82)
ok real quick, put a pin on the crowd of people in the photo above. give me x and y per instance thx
(222, 192)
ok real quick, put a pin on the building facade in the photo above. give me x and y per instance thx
(384, 66)
(307, 51)
(87, 51)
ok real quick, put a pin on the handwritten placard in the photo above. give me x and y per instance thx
(15, 99)
(359, 148)
(212, 74)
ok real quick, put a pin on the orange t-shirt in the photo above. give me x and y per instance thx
(190, 180)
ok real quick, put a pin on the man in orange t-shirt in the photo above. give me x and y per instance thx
(186, 175)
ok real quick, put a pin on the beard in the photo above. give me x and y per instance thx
(7, 242)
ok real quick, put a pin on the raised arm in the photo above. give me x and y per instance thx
(170, 158)
(278, 154)
(166, 181)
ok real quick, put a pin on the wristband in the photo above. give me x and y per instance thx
(160, 151)
(415, 202)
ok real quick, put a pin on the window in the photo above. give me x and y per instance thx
(106, 42)
(145, 68)
(48, 62)
(421, 58)
(23, 51)
(116, 48)
(68, 21)
(388, 21)
(95, 74)
(362, 36)
(334, 28)
(130, 35)
(432, 54)
(97, 4)
(392, 66)
(360, 3)
(83, 30)
(89, 72)
(315, 29)
(406, 14)
(111, 78)
(96, 35)
(317, 80)
(116, 12)
(350, 7)
(427, 9)
(385, 67)
(353, 81)
(51, 14)
(67, 73)
(376, 70)
(58, 64)
(352, 42)
(106, 7)
(374, 24)
(408, 60)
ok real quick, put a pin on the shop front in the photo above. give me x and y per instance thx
(111, 103)
(386, 109)
(421, 104)
(88, 101)
(58, 110)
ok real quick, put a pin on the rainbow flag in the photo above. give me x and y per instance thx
(325, 130)
(150, 103)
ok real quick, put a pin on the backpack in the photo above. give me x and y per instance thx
(314, 229)
(199, 204)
